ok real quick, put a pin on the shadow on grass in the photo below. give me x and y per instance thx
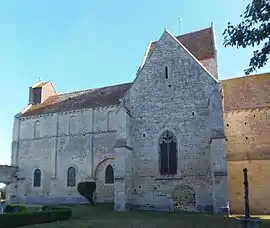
(102, 215)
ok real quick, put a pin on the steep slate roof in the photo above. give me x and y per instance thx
(200, 43)
(246, 92)
(90, 98)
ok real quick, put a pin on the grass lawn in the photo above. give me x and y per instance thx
(103, 216)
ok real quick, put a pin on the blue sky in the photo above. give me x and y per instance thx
(93, 43)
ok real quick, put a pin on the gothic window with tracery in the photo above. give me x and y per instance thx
(109, 175)
(71, 177)
(168, 154)
(37, 178)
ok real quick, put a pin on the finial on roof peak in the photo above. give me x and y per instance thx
(179, 24)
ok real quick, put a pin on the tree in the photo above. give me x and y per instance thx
(87, 189)
(3, 193)
(253, 30)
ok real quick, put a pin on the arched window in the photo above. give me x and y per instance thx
(37, 129)
(37, 178)
(168, 154)
(72, 125)
(109, 175)
(71, 177)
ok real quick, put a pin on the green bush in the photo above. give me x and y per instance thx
(11, 208)
(31, 218)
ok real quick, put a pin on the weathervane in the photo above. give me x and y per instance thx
(179, 24)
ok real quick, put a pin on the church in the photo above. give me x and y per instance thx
(156, 143)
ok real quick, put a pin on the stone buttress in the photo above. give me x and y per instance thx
(123, 164)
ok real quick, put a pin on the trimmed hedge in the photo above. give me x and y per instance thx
(31, 218)
(51, 207)
(14, 208)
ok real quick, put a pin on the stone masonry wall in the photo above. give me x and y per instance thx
(248, 143)
(178, 104)
(247, 128)
(258, 176)
(82, 139)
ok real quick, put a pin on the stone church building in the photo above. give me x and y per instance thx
(155, 143)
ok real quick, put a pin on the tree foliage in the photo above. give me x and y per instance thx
(3, 193)
(253, 30)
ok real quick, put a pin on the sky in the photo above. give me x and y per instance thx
(93, 43)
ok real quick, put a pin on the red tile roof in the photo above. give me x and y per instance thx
(246, 92)
(90, 98)
(200, 43)
(40, 84)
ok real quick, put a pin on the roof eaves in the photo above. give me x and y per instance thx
(146, 54)
(214, 37)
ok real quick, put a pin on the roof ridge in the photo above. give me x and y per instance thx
(189, 33)
(84, 90)
(40, 84)
(246, 76)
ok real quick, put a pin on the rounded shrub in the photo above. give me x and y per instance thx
(87, 189)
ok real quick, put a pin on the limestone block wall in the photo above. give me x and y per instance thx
(104, 192)
(124, 163)
(258, 176)
(248, 142)
(82, 139)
